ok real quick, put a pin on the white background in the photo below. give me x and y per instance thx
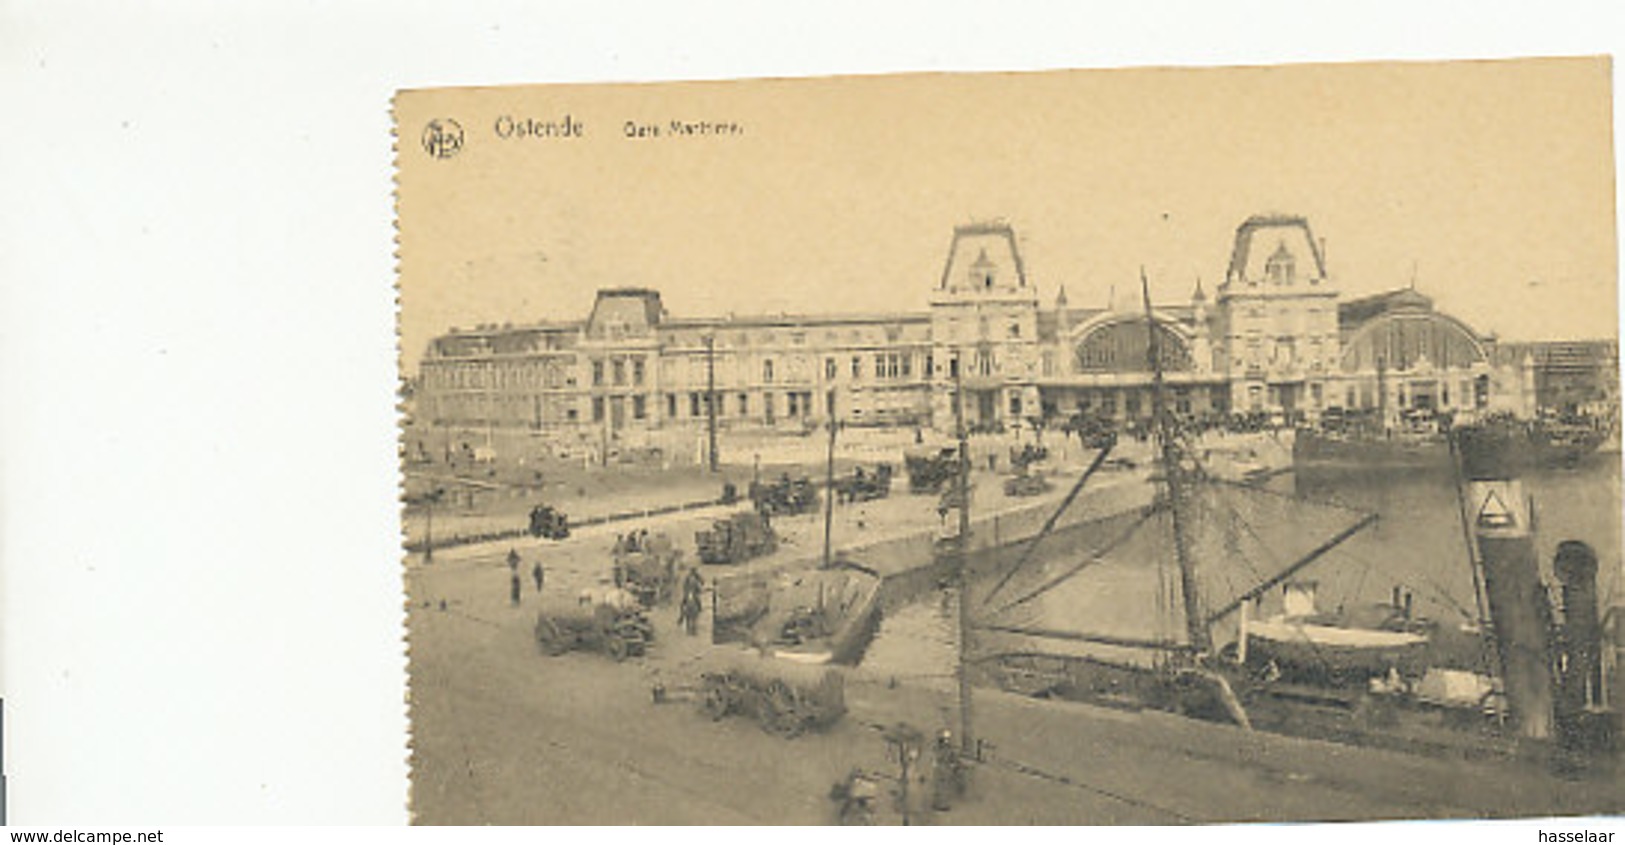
(198, 547)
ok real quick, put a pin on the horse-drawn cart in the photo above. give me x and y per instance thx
(785, 698)
(594, 626)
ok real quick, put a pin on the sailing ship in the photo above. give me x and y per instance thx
(1196, 636)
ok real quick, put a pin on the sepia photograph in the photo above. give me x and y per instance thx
(1080, 447)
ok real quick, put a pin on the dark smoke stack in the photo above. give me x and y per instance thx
(1576, 569)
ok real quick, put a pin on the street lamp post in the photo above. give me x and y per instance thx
(711, 401)
(429, 499)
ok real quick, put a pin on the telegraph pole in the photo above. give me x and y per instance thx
(429, 499)
(829, 479)
(967, 746)
(711, 401)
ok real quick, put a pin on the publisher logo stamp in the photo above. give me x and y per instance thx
(442, 138)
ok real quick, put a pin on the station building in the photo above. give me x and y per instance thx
(1277, 337)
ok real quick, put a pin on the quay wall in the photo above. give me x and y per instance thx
(908, 563)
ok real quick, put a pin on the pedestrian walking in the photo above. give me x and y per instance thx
(536, 572)
(513, 588)
(688, 612)
(947, 773)
(513, 560)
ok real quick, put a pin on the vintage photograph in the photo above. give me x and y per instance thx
(1080, 447)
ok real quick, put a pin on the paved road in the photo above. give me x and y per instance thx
(504, 735)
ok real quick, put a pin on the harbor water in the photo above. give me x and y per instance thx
(1119, 578)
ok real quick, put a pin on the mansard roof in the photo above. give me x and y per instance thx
(997, 236)
(1243, 257)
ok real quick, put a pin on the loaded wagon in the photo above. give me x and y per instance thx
(928, 473)
(594, 625)
(788, 699)
(863, 486)
(1025, 483)
(736, 539)
(548, 521)
(785, 497)
(649, 572)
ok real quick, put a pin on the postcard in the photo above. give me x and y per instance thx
(1140, 446)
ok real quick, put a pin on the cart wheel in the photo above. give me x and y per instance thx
(616, 647)
(789, 724)
(715, 704)
(780, 715)
(550, 638)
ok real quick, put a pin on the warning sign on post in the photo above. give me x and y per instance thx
(1498, 508)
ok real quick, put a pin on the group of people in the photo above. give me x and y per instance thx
(688, 609)
(536, 573)
(632, 541)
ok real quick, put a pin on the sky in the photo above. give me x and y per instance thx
(1490, 184)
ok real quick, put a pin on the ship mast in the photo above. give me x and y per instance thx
(967, 745)
(1196, 626)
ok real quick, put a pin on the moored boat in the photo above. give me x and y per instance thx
(821, 615)
(1369, 452)
(1345, 648)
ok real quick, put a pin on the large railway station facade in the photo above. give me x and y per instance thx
(1276, 337)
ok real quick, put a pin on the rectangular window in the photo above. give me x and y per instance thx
(598, 374)
(930, 366)
(880, 367)
(744, 404)
(694, 405)
(1015, 407)
(908, 365)
(984, 362)
(598, 409)
(857, 367)
(637, 372)
(619, 367)
(829, 369)
(767, 370)
(671, 406)
(638, 410)
(790, 404)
